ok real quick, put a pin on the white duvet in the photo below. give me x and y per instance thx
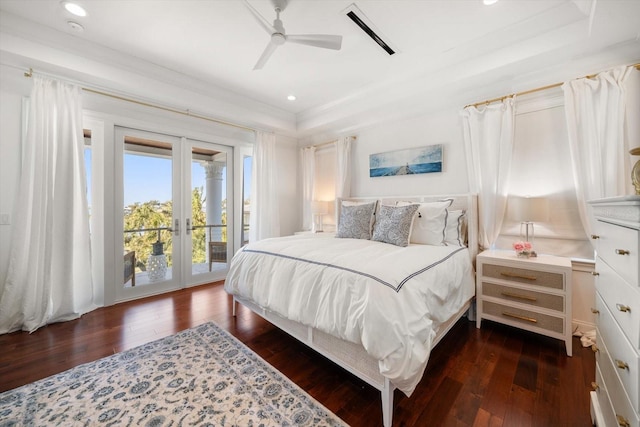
(389, 299)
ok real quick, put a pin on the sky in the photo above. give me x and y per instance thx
(149, 178)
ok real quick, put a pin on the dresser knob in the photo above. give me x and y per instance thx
(595, 311)
(595, 273)
(622, 365)
(595, 236)
(594, 348)
(622, 252)
(594, 386)
(622, 421)
(623, 308)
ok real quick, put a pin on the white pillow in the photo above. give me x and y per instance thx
(430, 222)
(455, 230)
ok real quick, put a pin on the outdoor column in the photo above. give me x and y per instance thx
(213, 194)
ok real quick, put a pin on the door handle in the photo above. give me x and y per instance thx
(176, 228)
(188, 227)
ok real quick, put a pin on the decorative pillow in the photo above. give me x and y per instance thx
(355, 221)
(454, 231)
(430, 223)
(393, 224)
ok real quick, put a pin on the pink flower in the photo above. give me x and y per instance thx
(527, 245)
(518, 246)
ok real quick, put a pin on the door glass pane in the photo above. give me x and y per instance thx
(208, 210)
(246, 197)
(148, 211)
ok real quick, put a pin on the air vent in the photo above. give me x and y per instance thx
(360, 19)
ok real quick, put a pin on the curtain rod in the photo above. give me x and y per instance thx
(538, 89)
(187, 113)
(322, 144)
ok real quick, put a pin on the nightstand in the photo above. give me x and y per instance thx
(529, 293)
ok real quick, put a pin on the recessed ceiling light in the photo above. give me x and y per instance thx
(74, 8)
(75, 26)
(291, 97)
(489, 2)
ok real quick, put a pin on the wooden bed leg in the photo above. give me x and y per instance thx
(387, 403)
(233, 309)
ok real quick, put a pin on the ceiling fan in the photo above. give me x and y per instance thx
(279, 36)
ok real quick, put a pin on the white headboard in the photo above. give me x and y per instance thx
(466, 202)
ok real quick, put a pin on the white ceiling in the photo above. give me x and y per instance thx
(217, 42)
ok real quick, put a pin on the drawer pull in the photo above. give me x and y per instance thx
(517, 316)
(594, 386)
(622, 421)
(623, 308)
(595, 348)
(622, 252)
(595, 311)
(518, 276)
(524, 297)
(595, 236)
(595, 273)
(622, 365)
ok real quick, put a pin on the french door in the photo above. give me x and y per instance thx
(175, 212)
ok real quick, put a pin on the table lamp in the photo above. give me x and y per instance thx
(528, 210)
(318, 209)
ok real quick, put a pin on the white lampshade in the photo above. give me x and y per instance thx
(528, 209)
(319, 207)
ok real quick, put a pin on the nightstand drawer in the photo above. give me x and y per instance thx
(509, 314)
(622, 299)
(624, 359)
(618, 247)
(524, 296)
(521, 275)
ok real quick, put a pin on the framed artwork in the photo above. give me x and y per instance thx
(406, 162)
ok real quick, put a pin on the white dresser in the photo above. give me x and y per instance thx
(615, 400)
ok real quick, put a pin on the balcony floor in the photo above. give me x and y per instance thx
(142, 277)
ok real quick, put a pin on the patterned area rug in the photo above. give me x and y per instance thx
(199, 377)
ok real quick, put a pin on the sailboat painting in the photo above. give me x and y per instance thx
(406, 162)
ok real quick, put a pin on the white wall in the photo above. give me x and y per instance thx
(442, 127)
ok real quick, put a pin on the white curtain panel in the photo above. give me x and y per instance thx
(489, 140)
(595, 113)
(265, 211)
(343, 166)
(49, 275)
(308, 173)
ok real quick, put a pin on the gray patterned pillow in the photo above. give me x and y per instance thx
(355, 221)
(393, 224)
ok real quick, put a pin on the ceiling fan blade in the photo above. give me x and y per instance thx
(318, 40)
(261, 19)
(268, 51)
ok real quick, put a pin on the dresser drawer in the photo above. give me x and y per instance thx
(524, 296)
(604, 401)
(622, 407)
(618, 247)
(622, 299)
(624, 359)
(507, 314)
(523, 275)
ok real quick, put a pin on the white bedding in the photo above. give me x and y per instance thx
(389, 299)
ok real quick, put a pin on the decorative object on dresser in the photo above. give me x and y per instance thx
(615, 399)
(529, 293)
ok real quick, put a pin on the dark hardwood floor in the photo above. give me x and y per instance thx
(495, 376)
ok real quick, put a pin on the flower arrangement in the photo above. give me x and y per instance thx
(524, 249)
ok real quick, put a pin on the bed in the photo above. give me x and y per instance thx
(375, 306)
